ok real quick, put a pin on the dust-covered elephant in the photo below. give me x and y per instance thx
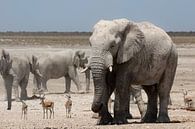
(59, 64)
(126, 53)
(15, 72)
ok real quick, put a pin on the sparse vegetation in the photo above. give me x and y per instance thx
(71, 38)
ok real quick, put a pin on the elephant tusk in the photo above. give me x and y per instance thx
(110, 68)
(82, 71)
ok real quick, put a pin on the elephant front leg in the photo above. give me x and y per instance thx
(121, 99)
(105, 116)
(44, 85)
(23, 85)
(127, 108)
(87, 76)
(8, 86)
(37, 85)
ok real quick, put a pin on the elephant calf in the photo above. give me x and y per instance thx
(15, 72)
(59, 64)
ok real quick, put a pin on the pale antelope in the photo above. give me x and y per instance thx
(68, 106)
(47, 105)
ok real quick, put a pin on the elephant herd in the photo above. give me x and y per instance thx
(15, 71)
(123, 53)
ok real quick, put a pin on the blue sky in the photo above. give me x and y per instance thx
(81, 15)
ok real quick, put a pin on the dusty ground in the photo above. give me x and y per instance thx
(81, 113)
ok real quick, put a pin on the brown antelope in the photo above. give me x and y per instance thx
(24, 110)
(187, 99)
(47, 105)
(68, 106)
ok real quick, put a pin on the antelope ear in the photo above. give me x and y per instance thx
(132, 42)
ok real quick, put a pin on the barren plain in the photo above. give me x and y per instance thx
(81, 110)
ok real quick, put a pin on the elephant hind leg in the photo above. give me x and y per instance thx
(23, 85)
(151, 113)
(68, 84)
(165, 86)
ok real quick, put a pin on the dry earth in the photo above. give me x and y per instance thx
(81, 113)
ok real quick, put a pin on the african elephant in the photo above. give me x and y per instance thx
(126, 53)
(60, 64)
(15, 71)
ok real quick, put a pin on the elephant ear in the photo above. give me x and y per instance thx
(5, 55)
(6, 62)
(132, 42)
(76, 59)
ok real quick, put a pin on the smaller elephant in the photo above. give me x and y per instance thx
(15, 72)
(59, 64)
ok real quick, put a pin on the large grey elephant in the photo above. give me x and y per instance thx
(15, 72)
(60, 64)
(126, 53)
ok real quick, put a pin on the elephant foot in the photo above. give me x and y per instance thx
(105, 120)
(143, 113)
(8, 108)
(129, 116)
(149, 118)
(120, 118)
(163, 118)
(24, 97)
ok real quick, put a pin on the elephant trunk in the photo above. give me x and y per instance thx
(99, 85)
(99, 65)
